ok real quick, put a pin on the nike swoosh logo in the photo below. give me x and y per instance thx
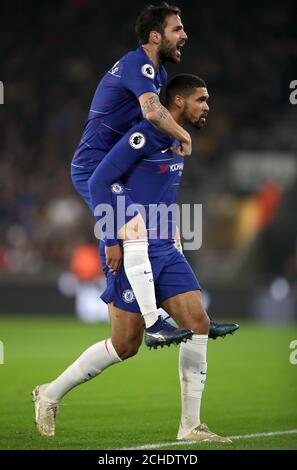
(203, 373)
(147, 272)
(165, 150)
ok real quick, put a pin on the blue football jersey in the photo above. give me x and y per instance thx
(143, 162)
(115, 107)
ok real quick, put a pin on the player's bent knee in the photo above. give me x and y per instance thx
(130, 352)
(205, 324)
(127, 347)
(200, 325)
(127, 351)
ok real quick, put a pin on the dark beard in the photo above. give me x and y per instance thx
(198, 125)
(194, 125)
(166, 54)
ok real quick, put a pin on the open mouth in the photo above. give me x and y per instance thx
(203, 119)
(179, 46)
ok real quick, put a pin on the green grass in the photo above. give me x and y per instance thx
(251, 388)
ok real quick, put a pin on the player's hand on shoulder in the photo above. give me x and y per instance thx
(114, 257)
(184, 149)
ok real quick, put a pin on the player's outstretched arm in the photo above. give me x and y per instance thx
(110, 170)
(159, 116)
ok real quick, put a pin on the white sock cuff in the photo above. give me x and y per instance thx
(198, 339)
(135, 245)
(111, 350)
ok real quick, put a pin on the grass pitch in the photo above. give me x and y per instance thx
(251, 388)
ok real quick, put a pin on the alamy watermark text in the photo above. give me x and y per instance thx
(161, 221)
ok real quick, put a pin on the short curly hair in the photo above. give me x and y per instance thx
(183, 84)
(153, 18)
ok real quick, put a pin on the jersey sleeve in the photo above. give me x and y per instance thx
(119, 160)
(138, 76)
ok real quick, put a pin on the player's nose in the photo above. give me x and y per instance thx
(184, 35)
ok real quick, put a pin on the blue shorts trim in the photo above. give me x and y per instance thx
(172, 275)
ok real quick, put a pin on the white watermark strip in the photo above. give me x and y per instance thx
(1, 352)
(1, 93)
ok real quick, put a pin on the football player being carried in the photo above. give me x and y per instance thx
(127, 93)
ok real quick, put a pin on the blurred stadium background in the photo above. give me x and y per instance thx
(243, 169)
(244, 172)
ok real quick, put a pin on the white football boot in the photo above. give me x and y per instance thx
(201, 433)
(45, 411)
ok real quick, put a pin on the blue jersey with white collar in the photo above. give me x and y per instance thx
(115, 107)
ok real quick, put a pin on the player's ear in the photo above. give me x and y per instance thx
(179, 101)
(155, 37)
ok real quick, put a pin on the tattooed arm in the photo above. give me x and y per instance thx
(159, 116)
